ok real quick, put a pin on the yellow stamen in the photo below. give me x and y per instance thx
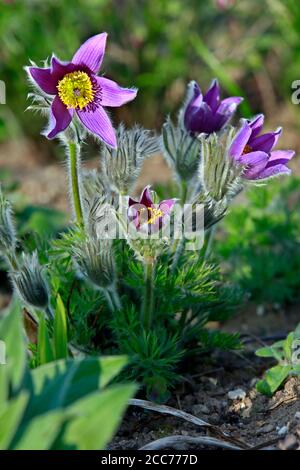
(155, 214)
(76, 90)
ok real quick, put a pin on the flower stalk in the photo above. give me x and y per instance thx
(148, 300)
(74, 165)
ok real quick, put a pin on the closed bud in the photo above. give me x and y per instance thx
(121, 166)
(181, 150)
(95, 261)
(7, 229)
(30, 283)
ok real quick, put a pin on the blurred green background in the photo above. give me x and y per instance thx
(252, 46)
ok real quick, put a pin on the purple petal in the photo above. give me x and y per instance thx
(98, 122)
(112, 94)
(200, 119)
(91, 53)
(240, 141)
(278, 157)
(256, 125)
(273, 171)
(167, 205)
(212, 96)
(146, 199)
(44, 79)
(255, 162)
(229, 105)
(59, 69)
(196, 97)
(60, 118)
(266, 142)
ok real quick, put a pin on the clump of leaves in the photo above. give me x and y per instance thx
(59, 405)
(287, 355)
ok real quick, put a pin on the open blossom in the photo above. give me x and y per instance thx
(77, 89)
(255, 151)
(208, 113)
(147, 216)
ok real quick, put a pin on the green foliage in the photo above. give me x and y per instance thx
(59, 405)
(261, 243)
(287, 355)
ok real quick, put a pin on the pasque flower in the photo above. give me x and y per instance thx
(208, 113)
(77, 89)
(255, 151)
(148, 216)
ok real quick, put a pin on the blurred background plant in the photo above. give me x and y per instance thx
(158, 45)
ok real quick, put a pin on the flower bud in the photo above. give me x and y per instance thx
(121, 166)
(95, 261)
(181, 150)
(7, 229)
(30, 283)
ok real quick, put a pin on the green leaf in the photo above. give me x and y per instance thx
(41, 432)
(98, 418)
(12, 334)
(60, 383)
(274, 377)
(10, 418)
(270, 351)
(287, 346)
(111, 366)
(44, 348)
(60, 330)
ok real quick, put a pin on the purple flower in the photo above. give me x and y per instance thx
(208, 113)
(77, 88)
(255, 151)
(147, 216)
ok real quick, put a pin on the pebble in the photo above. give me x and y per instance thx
(266, 429)
(201, 409)
(282, 431)
(237, 394)
(297, 415)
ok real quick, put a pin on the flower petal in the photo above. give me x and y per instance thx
(146, 199)
(229, 105)
(112, 94)
(59, 69)
(212, 96)
(43, 79)
(275, 170)
(256, 125)
(91, 53)
(167, 205)
(240, 141)
(267, 141)
(60, 118)
(279, 157)
(98, 122)
(255, 163)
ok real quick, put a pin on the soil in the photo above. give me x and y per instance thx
(250, 418)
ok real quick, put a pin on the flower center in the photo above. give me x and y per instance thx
(154, 215)
(76, 90)
(247, 149)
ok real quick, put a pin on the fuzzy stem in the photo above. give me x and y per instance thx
(184, 191)
(74, 177)
(108, 296)
(148, 300)
(209, 243)
(115, 297)
(177, 254)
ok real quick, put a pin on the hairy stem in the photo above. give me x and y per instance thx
(177, 254)
(75, 181)
(148, 300)
(209, 243)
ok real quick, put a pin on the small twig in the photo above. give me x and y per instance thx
(148, 405)
(173, 441)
